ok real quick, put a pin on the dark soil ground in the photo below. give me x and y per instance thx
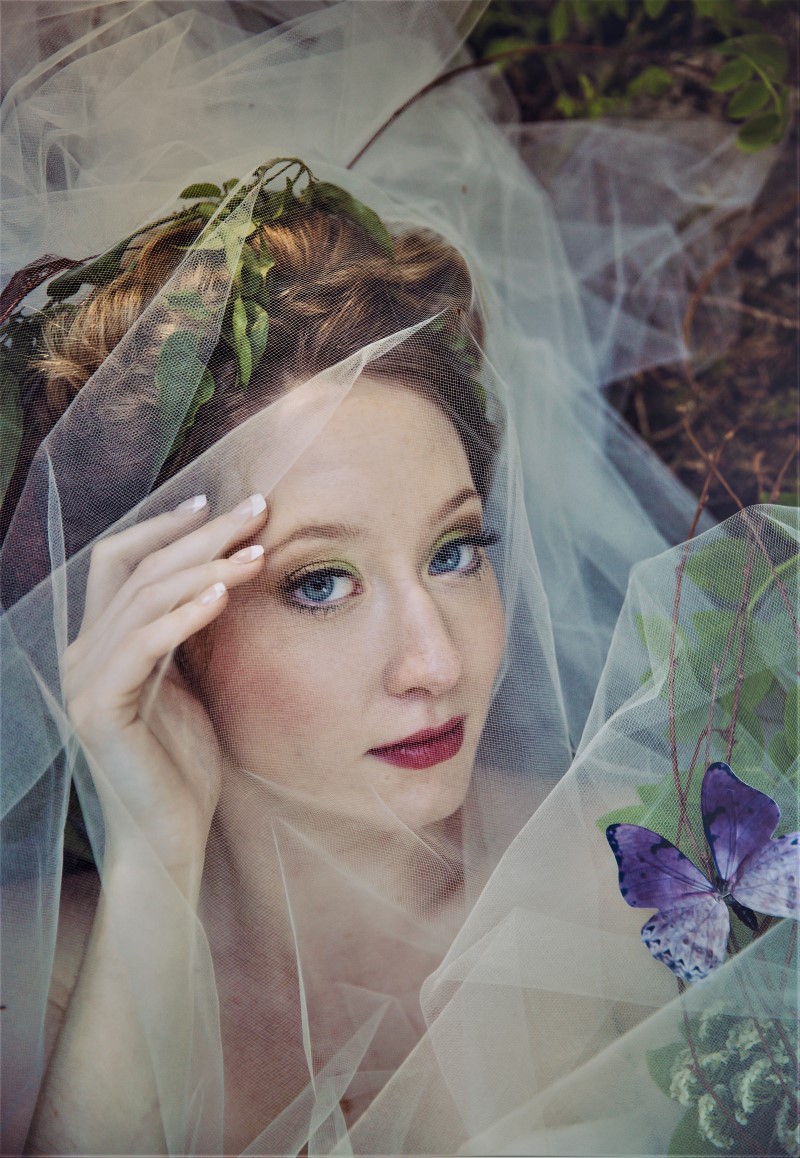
(728, 428)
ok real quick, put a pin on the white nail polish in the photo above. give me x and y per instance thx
(248, 554)
(251, 507)
(212, 594)
(191, 505)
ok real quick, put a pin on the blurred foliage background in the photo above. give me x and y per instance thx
(729, 429)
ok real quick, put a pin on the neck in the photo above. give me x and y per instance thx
(273, 854)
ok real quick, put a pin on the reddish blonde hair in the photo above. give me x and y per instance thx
(333, 290)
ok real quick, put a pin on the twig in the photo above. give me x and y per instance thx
(730, 253)
(709, 460)
(703, 499)
(752, 312)
(641, 414)
(773, 570)
(741, 619)
(774, 494)
(683, 815)
(497, 58)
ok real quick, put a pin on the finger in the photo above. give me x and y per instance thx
(112, 699)
(197, 547)
(115, 557)
(153, 600)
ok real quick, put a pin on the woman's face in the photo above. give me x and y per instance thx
(377, 617)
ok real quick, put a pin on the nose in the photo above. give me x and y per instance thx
(423, 655)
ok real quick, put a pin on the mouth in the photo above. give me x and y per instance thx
(426, 748)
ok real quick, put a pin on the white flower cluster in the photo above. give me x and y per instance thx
(749, 1082)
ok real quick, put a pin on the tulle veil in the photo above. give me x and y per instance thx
(543, 1026)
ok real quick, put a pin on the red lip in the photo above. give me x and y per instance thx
(426, 748)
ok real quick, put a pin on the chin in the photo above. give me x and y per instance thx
(419, 799)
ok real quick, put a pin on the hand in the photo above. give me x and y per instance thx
(150, 744)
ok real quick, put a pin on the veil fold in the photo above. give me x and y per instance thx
(543, 1025)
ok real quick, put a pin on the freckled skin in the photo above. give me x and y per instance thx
(301, 697)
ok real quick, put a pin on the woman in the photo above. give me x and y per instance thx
(283, 858)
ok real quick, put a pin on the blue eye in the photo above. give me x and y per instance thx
(457, 556)
(460, 556)
(322, 588)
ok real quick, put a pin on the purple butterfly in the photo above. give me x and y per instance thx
(689, 932)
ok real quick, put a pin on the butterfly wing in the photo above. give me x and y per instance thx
(738, 820)
(690, 932)
(653, 873)
(769, 880)
(690, 940)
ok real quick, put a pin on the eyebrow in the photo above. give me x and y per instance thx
(350, 531)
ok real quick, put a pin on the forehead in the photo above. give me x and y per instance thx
(384, 446)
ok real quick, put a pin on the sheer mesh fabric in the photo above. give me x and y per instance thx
(364, 973)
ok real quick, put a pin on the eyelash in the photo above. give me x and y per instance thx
(291, 585)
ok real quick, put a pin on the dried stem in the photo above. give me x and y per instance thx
(498, 58)
(741, 620)
(774, 494)
(741, 242)
(683, 816)
(751, 311)
(710, 463)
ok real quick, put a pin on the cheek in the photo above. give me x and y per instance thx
(273, 689)
(485, 634)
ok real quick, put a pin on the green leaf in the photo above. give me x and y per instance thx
(244, 357)
(559, 21)
(205, 209)
(732, 74)
(583, 11)
(763, 130)
(687, 1139)
(748, 748)
(259, 331)
(660, 1061)
(649, 793)
(238, 320)
(230, 236)
(98, 272)
(720, 12)
(718, 569)
(766, 52)
(231, 183)
(176, 353)
(628, 814)
(566, 105)
(340, 201)
(205, 391)
(178, 370)
(655, 633)
(653, 80)
(620, 7)
(654, 8)
(748, 100)
(791, 712)
(201, 189)
(779, 753)
(190, 303)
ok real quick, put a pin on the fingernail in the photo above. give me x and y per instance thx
(248, 554)
(212, 594)
(251, 507)
(191, 505)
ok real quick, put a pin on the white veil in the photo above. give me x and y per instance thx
(538, 1016)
